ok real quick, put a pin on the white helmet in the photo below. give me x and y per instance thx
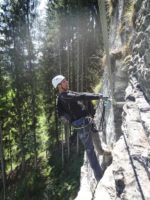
(57, 79)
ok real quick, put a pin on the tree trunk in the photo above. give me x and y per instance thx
(56, 125)
(78, 50)
(82, 64)
(10, 154)
(59, 54)
(2, 164)
(68, 61)
(31, 68)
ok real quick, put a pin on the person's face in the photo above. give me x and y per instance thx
(64, 85)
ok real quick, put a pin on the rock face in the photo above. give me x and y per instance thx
(128, 117)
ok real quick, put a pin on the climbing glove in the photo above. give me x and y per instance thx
(101, 96)
(107, 101)
(105, 98)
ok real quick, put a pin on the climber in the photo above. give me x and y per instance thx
(72, 110)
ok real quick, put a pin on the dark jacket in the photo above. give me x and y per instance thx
(70, 104)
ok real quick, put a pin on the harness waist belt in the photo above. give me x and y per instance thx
(81, 122)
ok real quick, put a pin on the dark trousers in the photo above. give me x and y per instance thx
(85, 131)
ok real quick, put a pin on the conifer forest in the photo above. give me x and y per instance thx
(36, 43)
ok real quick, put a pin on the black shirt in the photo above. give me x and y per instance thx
(70, 104)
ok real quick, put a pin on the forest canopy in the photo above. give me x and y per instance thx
(33, 49)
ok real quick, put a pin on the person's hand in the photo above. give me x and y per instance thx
(105, 98)
(107, 101)
(100, 95)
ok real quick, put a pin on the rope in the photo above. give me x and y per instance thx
(108, 74)
(102, 125)
(102, 118)
(134, 168)
(145, 162)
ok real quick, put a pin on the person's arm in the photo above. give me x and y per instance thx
(77, 96)
(63, 117)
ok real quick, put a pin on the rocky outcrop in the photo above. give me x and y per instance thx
(128, 177)
(128, 117)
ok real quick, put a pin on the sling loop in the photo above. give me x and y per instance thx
(102, 121)
(86, 125)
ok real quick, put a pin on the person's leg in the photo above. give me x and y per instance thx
(86, 139)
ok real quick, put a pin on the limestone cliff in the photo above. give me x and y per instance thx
(128, 117)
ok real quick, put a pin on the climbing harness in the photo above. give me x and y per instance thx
(81, 124)
(88, 121)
